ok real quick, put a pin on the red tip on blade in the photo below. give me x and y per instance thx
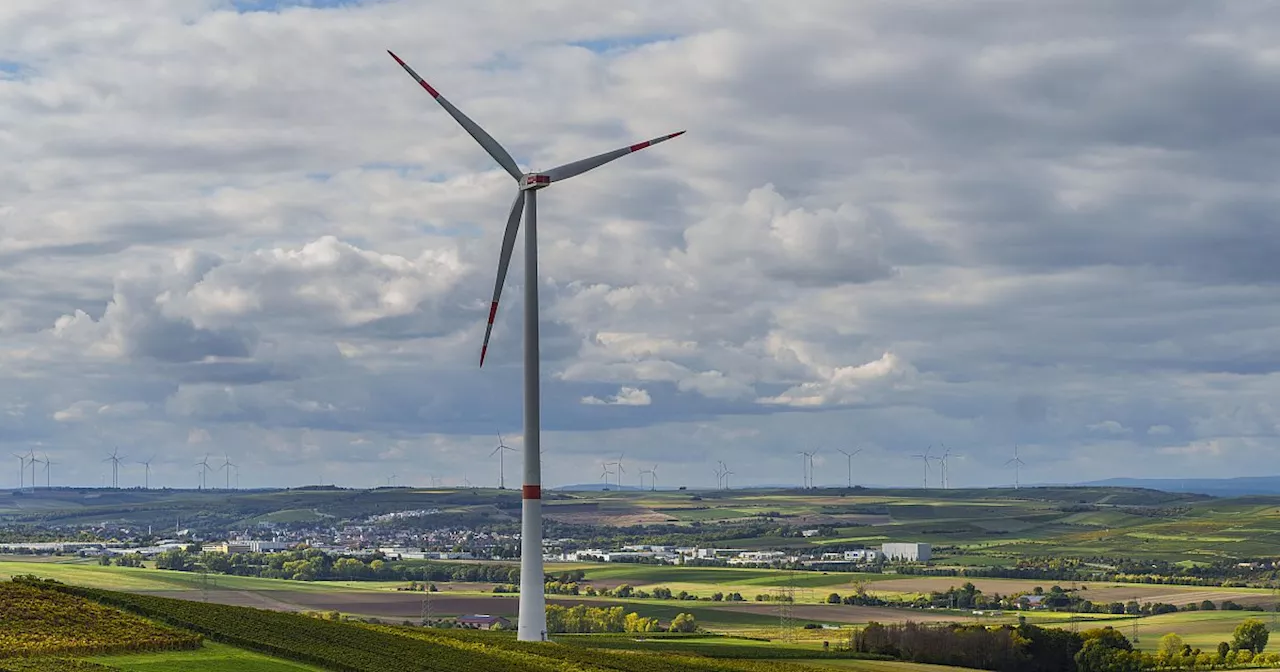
(493, 311)
(639, 146)
(425, 85)
(483, 350)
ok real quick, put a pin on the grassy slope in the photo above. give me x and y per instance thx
(213, 657)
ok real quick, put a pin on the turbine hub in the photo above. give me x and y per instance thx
(531, 181)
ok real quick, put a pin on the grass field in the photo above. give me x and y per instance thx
(213, 657)
(87, 572)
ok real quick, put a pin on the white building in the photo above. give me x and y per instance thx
(908, 552)
(863, 555)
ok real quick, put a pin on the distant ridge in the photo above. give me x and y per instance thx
(1218, 487)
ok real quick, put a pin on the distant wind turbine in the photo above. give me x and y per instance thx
(502, 469)
(804, 463)
(204, 470)
(226, 467)
(849, 456)
(22, 470)
(114, 459)
(1017, 463)
(47, 463)
(924, 457)
(147, 465)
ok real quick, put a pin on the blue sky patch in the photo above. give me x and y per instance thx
(607, 44)
(244, 6)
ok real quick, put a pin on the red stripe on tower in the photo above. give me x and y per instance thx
(532, 491)
(493, 310)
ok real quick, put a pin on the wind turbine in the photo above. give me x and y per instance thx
(804, 463)
(502, 469)
(226, 467)
(946, 473)
(925, 458)
(204, 469)
(114, 459)
(532, 618)
(621, 470)
(22, 470)
(32, 460)
(147, 465)
(719, 471)
(727, 473)
(47, 463)
(812, 480)
(1016, 462)
(850, 455)
(653, 478)
(605, 473)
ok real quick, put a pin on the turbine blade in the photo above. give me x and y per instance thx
(504, 260)
(581, 166)
(490, 145)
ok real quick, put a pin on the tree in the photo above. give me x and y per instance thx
(1208, 605)
(1170, 646)
(833, 598)
(684, 623)
(1252, 636)
(1223, 649)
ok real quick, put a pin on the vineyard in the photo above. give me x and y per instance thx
(51, 665)
(370, 648)
(39, 622)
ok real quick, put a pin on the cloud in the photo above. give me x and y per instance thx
(889, 222)
(626, 396)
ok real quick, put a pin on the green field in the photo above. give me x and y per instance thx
(212, 657)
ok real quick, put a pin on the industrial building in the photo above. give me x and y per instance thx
(908, 552)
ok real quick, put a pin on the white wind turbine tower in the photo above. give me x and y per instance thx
(946, 469)
(532, 619)
(114, 459)
(605, 473)
(22, 470)
(1017, 463)
(849, 456)
(147, 465)
(204, 470)
(621, 470)
(502, 467)
(32, 460)
(226, 467)
(925, 458)
(47, 463)
(804, 463)
(813, 480)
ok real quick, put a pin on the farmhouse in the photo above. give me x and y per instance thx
(483, 621)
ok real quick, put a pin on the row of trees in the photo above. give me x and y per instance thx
(1029, 648)
(305, 564)
(583, 619)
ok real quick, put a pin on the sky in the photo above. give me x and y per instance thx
(237, 228)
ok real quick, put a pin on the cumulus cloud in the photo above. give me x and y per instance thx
(1046, 225)
(626, 396)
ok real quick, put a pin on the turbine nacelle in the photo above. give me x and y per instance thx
(531, 181)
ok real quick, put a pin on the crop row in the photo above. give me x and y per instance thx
(52, 665)
(37, 622)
